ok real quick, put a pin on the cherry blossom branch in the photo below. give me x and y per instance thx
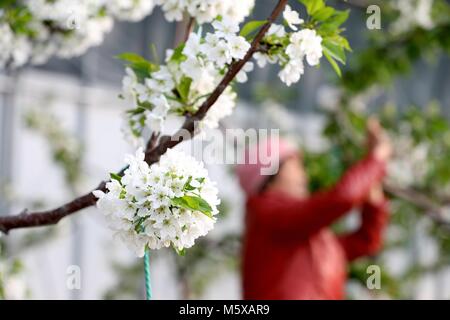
(189, 125)
(154, 149)
(50, 217)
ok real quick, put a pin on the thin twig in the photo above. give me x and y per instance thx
(190, 26)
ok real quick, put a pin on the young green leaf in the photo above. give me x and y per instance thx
(141, 67)
(335, 21)
(340, 17)
(181, 252)
(183, 88)
(251, 27)
(334, 50)
(333, 64)
(187, 185)
(130, 57)
(312, 6)
(340, 41)
(324, 13)
(139, 227)
(178, 55)
(193, 203)
(116, 177)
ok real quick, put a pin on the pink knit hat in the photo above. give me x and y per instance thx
(261, 161)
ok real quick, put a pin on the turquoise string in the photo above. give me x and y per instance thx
(148, 285)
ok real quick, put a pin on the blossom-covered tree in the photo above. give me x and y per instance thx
(32, 31)
(164, 198)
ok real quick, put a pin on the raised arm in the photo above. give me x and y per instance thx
(286, 216)
(367, 240)
(300, 218)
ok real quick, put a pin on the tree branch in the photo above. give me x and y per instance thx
(189, 28)
(430, 208)
(154, 150)
(44, 218)
(153, 156)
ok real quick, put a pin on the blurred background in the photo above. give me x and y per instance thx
(60, 134)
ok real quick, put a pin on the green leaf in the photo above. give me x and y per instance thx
(135, 112)
(178, 55)
(184, 87)
(130, 57)
(324, 13)
(181, 252)
(19, 18)
(193, 203)
(334, 50)
(250, 27)
(340, 17)
(335, 21)
(139, 227)
(201, 180)
(115, 176)
(340, 41)
(7, 3)
(333, 63)
(141, 67)
(187, 185)
(312, 6)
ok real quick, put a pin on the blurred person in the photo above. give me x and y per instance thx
(289, 250)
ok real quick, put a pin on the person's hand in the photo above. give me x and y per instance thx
(376, 195)
(378, 141)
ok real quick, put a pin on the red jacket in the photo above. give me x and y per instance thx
(289, 251)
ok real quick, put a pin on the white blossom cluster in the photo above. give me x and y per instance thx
(413, 13)
(62, 28)
(198, 69)
(170, 203)
(130, 10)
(13, 48)
(305, 43)
(409, 166)
(202, 64)
(205, 11)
